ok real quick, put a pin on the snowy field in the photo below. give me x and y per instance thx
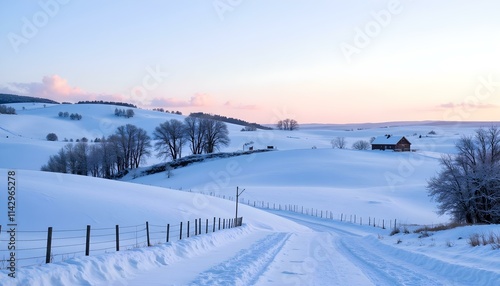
(273, 247)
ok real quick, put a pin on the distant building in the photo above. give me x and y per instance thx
(390, 142)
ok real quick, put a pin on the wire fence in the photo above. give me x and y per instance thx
(37, 247)
(326, 214)
(374, 221)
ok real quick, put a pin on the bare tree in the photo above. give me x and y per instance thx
(94, 159)
(216, 135)
(132, 144)
(279, 125)
(142, 147)
(468, 186)
(195, 133)
(76, 158)
(110, 160)
(339, 142)
(80, 153)
(361, 145)
(170, 137)
(57, 163)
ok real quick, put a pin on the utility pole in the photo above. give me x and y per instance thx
(238, 193)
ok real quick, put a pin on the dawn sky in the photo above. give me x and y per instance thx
(261, 61)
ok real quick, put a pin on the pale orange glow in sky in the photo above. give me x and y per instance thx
(261, 61)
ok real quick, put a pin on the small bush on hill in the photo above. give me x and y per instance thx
(7, 110)
(51, 137)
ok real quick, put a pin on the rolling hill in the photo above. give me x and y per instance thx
(276, 247)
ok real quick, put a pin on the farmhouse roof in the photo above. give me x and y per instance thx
(387, 140)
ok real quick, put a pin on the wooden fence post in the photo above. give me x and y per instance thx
(188, 229)
(206, 226)
(180, 232)
(147, 234)
(49, 245)
(214, 225)
(199, 225)
(117, 230)
(219, 223)
(195, 226)
(87, 242)
(168, 231)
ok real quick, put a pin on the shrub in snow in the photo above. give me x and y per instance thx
(396, 230)
(4, 109)
(339, 142)
(124, 113)
(51, 137)
(361, 145)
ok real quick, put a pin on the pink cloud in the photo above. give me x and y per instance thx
(197, 100)
(451, 105)
(202, 99)
(57, 88)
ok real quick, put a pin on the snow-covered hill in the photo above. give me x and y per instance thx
(276, 247)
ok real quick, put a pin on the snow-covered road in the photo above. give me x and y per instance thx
(329, 253)
(334, 255)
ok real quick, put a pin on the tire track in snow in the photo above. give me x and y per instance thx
(441, 272)
(247, 265)
(381, 268)
(384, 269)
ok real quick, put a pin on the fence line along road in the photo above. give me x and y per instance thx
(36, 247)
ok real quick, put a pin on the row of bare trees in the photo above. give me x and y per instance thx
(126, 148)
(287, 124)
(202, 134)
(468, 185)
(130, 145)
